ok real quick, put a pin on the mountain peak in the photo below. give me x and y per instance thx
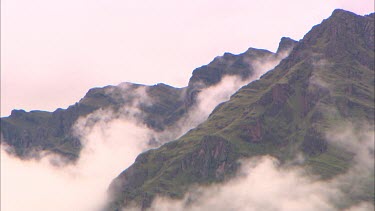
(371, 15)
(342, 36)
(287, 111)
(285, 44)
(342, 13)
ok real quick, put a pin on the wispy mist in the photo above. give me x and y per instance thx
(209, 97)
(111, 141)
(38, 185)
(263, 183)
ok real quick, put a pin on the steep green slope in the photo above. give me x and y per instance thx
(327, 80)
(161, 106)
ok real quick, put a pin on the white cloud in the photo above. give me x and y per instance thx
(111, 140)
(264, 184)
(37, 185)
(261, 185)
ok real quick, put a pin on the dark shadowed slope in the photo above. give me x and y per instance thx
(326, 81)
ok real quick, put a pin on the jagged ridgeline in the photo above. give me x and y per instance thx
(327, 80)
(29, 133)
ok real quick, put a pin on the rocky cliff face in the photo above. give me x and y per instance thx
(29, 133)
(326, 80)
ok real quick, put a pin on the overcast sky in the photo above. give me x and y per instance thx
(53, 51)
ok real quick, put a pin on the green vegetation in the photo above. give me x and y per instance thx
(328, 79)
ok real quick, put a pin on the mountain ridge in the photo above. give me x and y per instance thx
(327, 79)
(30, 133)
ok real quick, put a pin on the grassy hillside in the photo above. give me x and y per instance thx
(327, 80)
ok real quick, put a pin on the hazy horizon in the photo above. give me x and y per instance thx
(53, 52)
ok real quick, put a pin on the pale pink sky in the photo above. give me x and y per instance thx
(53, 51)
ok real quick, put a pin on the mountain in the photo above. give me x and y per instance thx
(327, 80)
(30, 133)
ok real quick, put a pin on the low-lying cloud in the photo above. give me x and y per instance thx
(260, 185)
(212, 96)
(264, 184)
(38, 185)
(111, 142)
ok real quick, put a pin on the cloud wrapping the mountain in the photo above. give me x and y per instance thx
(260, 185)
(212, 96)
(358, 140)
(111, 141)
(264, 184)
(38, 185)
